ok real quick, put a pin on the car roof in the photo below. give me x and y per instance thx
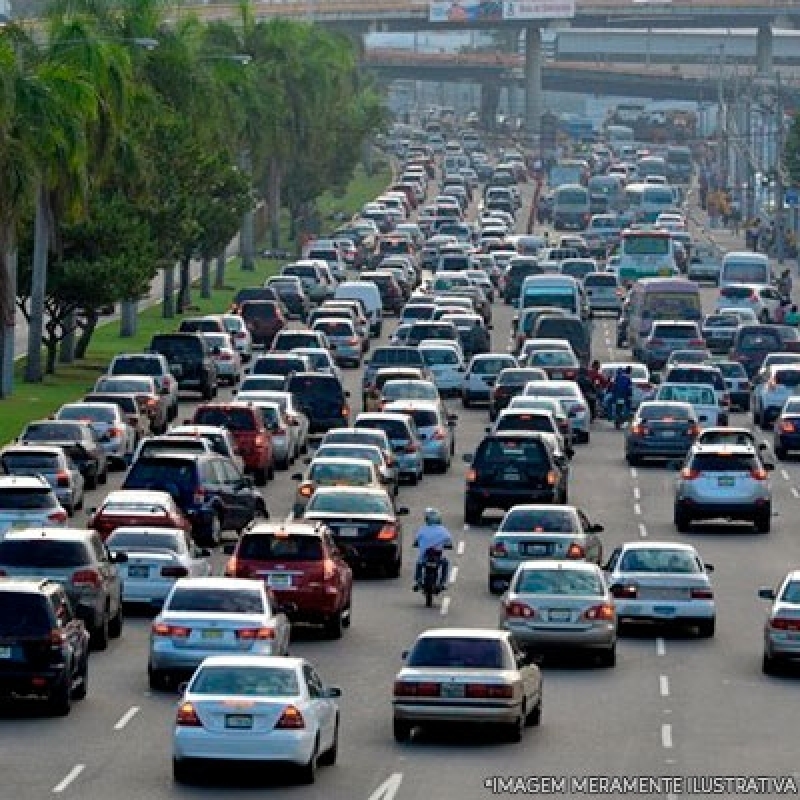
(378, 415)
(465, 633)
(352, 490)
(415, 404)
(65, 534)
(283, 662)
(33, 447)
(219, 582)
(659, 546)
(323, 460)
(23, 482)
(728, 449)
(149, 530)
(547, 564)
(295, 527)
(142, 495)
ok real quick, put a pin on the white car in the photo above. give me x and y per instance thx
(257, 709)
(108, 420)
(157, 557)
(321, 360)
(28, 501)
(446, 363)
(572, 400)
(242, 340)
(763, 300)
(702, 397)
(772, 387)
(481, 375)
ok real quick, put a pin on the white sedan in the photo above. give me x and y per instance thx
(256, 709)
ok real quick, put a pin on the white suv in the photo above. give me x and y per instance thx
(772, 387)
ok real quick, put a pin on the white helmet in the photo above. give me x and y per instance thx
(432, 516)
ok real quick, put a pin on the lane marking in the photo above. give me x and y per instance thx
(466, 527)
(634, 473)
(663, 685)
(642, 530)
(71, 776)
(637, 493)
(461, 545)
(126, 718)
(795, 493)
(389, 788)
(785, 475)
(666, 736)
(637, 509)
(453, 575)
(445, 606)
(661, 647)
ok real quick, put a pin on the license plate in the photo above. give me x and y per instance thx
(138, 572)
(669, 434)
(279, 581)
(238, 721)
(5, 652)
(725, 481)
(556, 375)
(664, 611)
(452, 690)
(213, 634)
(349, 533)
(559, 616)
(512, 475)
(535, 549)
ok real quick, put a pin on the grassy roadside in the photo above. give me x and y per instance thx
(35, 401)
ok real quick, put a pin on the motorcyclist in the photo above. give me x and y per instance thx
(621, 388)
(785, 285)
(432, 536)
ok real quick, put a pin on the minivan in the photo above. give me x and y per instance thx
(190, 361)
(370, 296)
(559, 291)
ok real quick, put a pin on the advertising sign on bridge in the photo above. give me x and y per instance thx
(499, 10)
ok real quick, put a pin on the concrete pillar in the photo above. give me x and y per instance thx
(533, 80)
(490, 97)
(764, 51)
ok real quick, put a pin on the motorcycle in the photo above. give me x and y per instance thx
(431, 570)
(620, 412)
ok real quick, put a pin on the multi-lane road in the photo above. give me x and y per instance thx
(673, 706)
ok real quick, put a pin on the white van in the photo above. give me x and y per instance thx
(368, 293)
(745, 267)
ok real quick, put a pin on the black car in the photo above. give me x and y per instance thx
(510, 383)
(322, 399)
(513, 467)
(78, 440)
(210, 489)
(45, 646)
(383, 357)
(190, 361)
(519, 268)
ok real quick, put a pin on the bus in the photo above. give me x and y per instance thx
(645, 201)
(571, 207)
(646, 254)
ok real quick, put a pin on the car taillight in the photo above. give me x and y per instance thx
(753, 297)
(291, 719)
(62, 479)
(413, 689)
(260, 440)
(569, 375)
(498, 550)
(328, 569)
(787, 427)
(693, 430)
(199, 497)
(758, 474)
(689, 474)
(625, 591)
(58, 516)
(656, 342)
(239, 335)
(253, 634)
(58, 637)
(697, 342)
(225, 356)
(411, 447)
(305, 490)
(483, 690)
(604, 611)
(576, 551)
(701, 594)
(387, 533)
(174, 572)
(345, 411)
(187, 717)
(784, 624)
(639, 430)
(517, 609)
(87, 577)
(552, 478)
(439, 434)
(172, 631)
(114, 432)
(353, 341)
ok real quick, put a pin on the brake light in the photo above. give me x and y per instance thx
(784, 624)
(412, 689)
(701, 594)
(604, 611)
(328, 569)
(291, 719)
(187, 717)
(498, 550)
(517, 609)
(411, 447)
(639, 430)
(552, 478)
(482, 690)
(576, 551)
(199, 496)
(260, 440)
(787, 427)
(173, 631)
(225, 356)
(58, 638)
(62, 479)
(387, 533)
(690, 474)
(174, 572)
(152, 402)
(439, 434)
(758, 474)
(353, 341)
(656, 342)
(622, 591)
(58, 516)
(345, 411)
(114, 432)
(255, 634)
(305, 491)
(753, 297)
(87, 578)
(694, 430)
(569, 375)
(697, 342)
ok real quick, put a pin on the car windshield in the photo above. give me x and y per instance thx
(23, 613)
(458, 653)
(42, 554)
(46, 462)
(659, 560)
(791, 592)
(246, 682)
(147, 540)
(234, 419)
(552, 358)
(558, 581)
(280, 546)
(350, 451)
(217, 601)
(341, 503)
(731, 370)
(136, 366)
(26, 499)
(124, 385)
(788, 377)
(539, 521)
(439, 357)
(760, 340)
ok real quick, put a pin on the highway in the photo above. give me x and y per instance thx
(673, 706)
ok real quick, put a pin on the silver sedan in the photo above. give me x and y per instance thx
(782, 625)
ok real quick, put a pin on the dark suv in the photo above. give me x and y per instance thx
(513, 467)
(392, 357)
(44, 646)
(322, 399)
(209, 489)
(190, 361)
(264, 318)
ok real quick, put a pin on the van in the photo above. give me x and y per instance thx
(571, 328)
(571, 207)
(745, 267)
(369, 294)
(653, 299)
(560, 291)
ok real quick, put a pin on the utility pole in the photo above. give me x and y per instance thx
(780, 190)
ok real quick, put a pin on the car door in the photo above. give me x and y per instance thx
(199, 562)
(322, 706)
(342, 568)
(594, 545)
(109, 574)
(239, 503)
(72, 627)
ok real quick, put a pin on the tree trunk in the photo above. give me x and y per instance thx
(67, 351)
(8, 316)
(88, 329)
(205, 277)
(41, 241)
(274, 203)
(184, 285)
(128, 318)
(168, 293)
(247, 245)
(219, 280)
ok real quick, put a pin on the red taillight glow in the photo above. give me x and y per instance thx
(694, 430)
(174, 572)
(517, 609)
(199, 497)
(576, 551)
(482, 690)
(639, 430)
(187, 717)
(260, 440)
(58, 637)
(758, 474)
(291, 719)
(498, 550)
(440, 434)
(784, 624)
(87, 577)
(58, 516)
(701, 594)
(787, 427)
(255, 634)
(305, 491)
(172, 631)
(604, 611)
(472, 476)
(62, 479)
(552, 478)
(690, 474)
(387, 533)
(626, 592)
(412, 689)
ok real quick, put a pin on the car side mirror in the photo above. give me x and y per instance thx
(306, 461)
(229, 549)
(187, 422)
(332, 691)
(709, 567)
(766, 594)
(297, 476)
(119, 558)
(182, 687)
(402, 512)
(91, 511)
(763, 446)
(487, 429)
(164, 390)
(204, 552)
(347, 394)
(404, 655)
(234, 391)
(769, 467)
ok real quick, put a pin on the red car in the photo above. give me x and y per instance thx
(137, 507)
(252, 437)
(303, 567)
(264, 319)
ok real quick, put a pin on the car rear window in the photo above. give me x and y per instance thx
(242, 681)
(318, 385)
(92, 413)
(180, 346)
(136, 366)
(269, 546)
(695, 395)
(42, 461)
(537, 521)
(659, 560)
(760, 340)
(53, 432)
(24, 613)
(397, 355)
(216, 601)
(496, 452)
(350, 474)
(665, 413)
(721, 321)
(731, 370)
(424, 418)
(394, 428)
(600, 280)
(44, 553)
(335, 328)
(736, 292)
(234, 419)
(127, 404)
(525, 422)
(172, 445)
(458, 653)
(158, 473)
(346, 503)
(723, 462)
(562, 582)
(788, 377)
(713, 378)
(674, 332)
(292, 340)
(439, 357)
(19, 499)
(259, 310)
(489, 366)
(552, 358)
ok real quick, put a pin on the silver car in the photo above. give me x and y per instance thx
(572, 400)
(344, 339)
(369, 436)
(720, 481)
(28, 501)
(466, 675)
(367, 452)
(298, 421)
(436, 430)
(51, 463)
(203, 617)
(117, 437)
(240, 335)
(553, 605)
(782, 625)
(662, 583)
(404, 439)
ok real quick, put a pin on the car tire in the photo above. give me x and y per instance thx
(763, 522)
(328, 758)
(494, 588)
(514, 731)
(100, 633)
(158, 679)
(116, 623)
(260, 476)
(307, 773)
(472, 514)
(207, 393)
(465, 401)
(683, 522)
(608, 658)
(181, 772)
(82, 689)
(347, 614)
(333, 626)
(284, 464)
(534, 717)
(769, 665)
(60, 701)
(706, 628)
(781, 453)
(632, 461)
(102, 478)
(402, 730)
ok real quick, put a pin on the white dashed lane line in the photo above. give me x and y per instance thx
(663, 685)
(785, 475)
(637, 509)
(126, 718)
(634, 473)
(666, 736)
(460, 549)
(661, 647)
(642, 530)
(637, 493)
(71, 776)
(453, 575)
(795, 493)
(445, 606)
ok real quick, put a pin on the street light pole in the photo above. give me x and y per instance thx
(779, 187)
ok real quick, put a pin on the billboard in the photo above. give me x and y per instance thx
(499, 10)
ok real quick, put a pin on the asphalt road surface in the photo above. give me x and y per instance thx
(673, 706)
